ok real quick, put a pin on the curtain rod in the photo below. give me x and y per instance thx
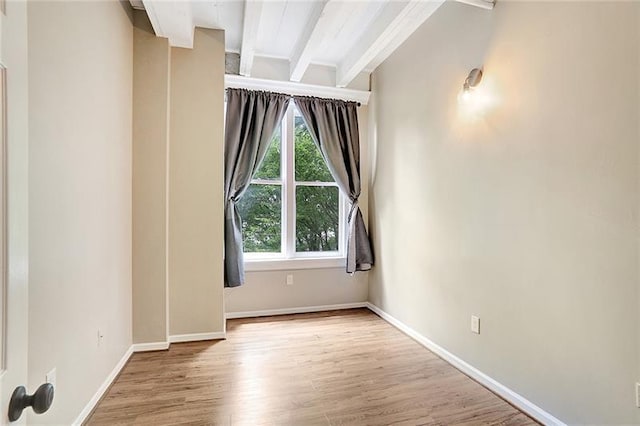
(292, 88)
(293, 96)
(322, 99)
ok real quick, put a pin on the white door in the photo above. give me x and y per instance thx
(14, 200)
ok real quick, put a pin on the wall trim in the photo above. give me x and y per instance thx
(151, 346)
(137, 347)
(496, 387)
(88, 408)
(296, 89)
(514, 398)
(297, 310)
(196, 337)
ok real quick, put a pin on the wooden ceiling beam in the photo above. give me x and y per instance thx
(323, 26)
(395, 23)
(172, 20)
(483, 4)
(250, 30)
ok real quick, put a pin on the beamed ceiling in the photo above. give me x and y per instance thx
(353, 36)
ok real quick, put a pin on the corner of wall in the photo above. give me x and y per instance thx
(196, 298)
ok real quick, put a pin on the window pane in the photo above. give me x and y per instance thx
(317, 209)
(310, 165)
(270, 167)
(260, 209)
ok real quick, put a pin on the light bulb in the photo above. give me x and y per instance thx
(465, 96)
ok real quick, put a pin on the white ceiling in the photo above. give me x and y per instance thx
(351, 35)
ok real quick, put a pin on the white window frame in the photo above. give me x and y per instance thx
(288, 258)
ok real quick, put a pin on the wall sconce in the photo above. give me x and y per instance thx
(472, 80)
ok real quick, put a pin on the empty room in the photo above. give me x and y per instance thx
(319, 212)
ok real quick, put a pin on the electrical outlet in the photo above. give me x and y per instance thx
(475, 324)
(51, 377)
(289, 279)
(638, 394)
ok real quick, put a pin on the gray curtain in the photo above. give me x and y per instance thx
(252, 118)
(333, 125)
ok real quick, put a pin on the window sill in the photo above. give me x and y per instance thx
(254, 265)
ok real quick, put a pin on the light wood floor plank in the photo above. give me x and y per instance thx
(330, 368)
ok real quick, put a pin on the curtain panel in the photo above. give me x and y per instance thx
(333, 125)
(252, 118)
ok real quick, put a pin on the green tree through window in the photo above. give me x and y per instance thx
(315, 196)
(261, 206)
(317, 207)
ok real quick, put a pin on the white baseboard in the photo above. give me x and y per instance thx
(196, 337)
(137, 347)
(298, 310)
(518, 400)
(153, 346)
(86, 411)
(500, 389)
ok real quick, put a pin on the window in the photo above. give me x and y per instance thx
(293, 209)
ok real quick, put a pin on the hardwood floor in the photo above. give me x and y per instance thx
(331, 368)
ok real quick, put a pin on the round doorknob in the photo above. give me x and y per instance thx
(40, 401)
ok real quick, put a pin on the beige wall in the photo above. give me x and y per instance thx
(525, 214)
(267, 290)
(151, 62)
(195, 186)
(80, 90)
